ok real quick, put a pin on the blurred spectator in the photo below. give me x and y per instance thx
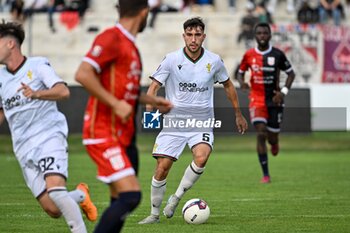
(204, 2)
(16, 11)
(34, 6)
(187, 6)
(83, 5)
(330, 8)
(247, 26)
(54, 6)
(157, 6)
(307, 13)
(271, 7)
(347, 8)
(232, 5)
(262, 13)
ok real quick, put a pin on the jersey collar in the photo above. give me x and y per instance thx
(188, 57)
(263, 52)
(125, 32)
(18, 68)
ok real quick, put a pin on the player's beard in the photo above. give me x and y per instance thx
(193, 50)
(263, 44)
(143, 24)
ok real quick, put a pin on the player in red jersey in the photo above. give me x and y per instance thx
(266, 98)
(111, 73)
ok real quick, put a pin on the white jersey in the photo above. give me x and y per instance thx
(189, 84)
(31, 121)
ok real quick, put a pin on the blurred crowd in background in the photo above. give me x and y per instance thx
(306, 11)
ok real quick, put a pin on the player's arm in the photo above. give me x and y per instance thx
(59, 91)
(240, 79)
(243, 66)
(231, 94)
(279, 95)
(88, 78)
(153, 101)
(152, 92)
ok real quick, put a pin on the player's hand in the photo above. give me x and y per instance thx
(149, 108)
(27, 91)
(123, 110)
(241, 123)
(163, 105)
(245, 87)
(278, 97)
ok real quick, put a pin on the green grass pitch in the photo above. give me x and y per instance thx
(310, 189)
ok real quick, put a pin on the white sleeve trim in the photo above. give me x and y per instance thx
(289, 70)
(93, 63)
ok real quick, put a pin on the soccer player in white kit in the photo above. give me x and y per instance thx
(29, 89)
(188, 76)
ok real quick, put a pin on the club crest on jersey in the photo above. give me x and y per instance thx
(208, 67)
(96, 51)
(271, 61)
(30, 74)
(179, 66)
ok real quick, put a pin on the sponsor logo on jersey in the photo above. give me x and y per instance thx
(270, 61)
(255, 68)
(191, 87)
(208, 67)
(96, 51)
(151, 120)
(15, 101)
(30, 74)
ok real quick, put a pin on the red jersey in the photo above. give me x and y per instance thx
(265, 67)
(117, 61)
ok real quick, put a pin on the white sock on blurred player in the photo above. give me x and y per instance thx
(157, 194)
(191, 175)
(69, 209)
(77, 195)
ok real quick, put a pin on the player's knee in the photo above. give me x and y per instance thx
(52, 211)
(161, 172)
(48, 205)
(201, 160)
(131, 199)
(261, 136)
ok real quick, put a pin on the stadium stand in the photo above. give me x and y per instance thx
(66, 47)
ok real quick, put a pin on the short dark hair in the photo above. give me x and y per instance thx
(263, 25)
(194, 22)
(12, 29)
(129, 8)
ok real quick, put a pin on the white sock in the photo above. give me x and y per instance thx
(157, 194)
(77, 195)
(69, 209)
(191, 175)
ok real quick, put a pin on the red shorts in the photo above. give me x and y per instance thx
(112, 161)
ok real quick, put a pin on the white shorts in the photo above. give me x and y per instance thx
(172, 144)
(50, 157)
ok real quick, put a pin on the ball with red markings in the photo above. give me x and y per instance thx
(196, 211)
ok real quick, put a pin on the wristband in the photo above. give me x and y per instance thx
(284, 90)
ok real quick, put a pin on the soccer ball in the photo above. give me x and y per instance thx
(196, 211)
